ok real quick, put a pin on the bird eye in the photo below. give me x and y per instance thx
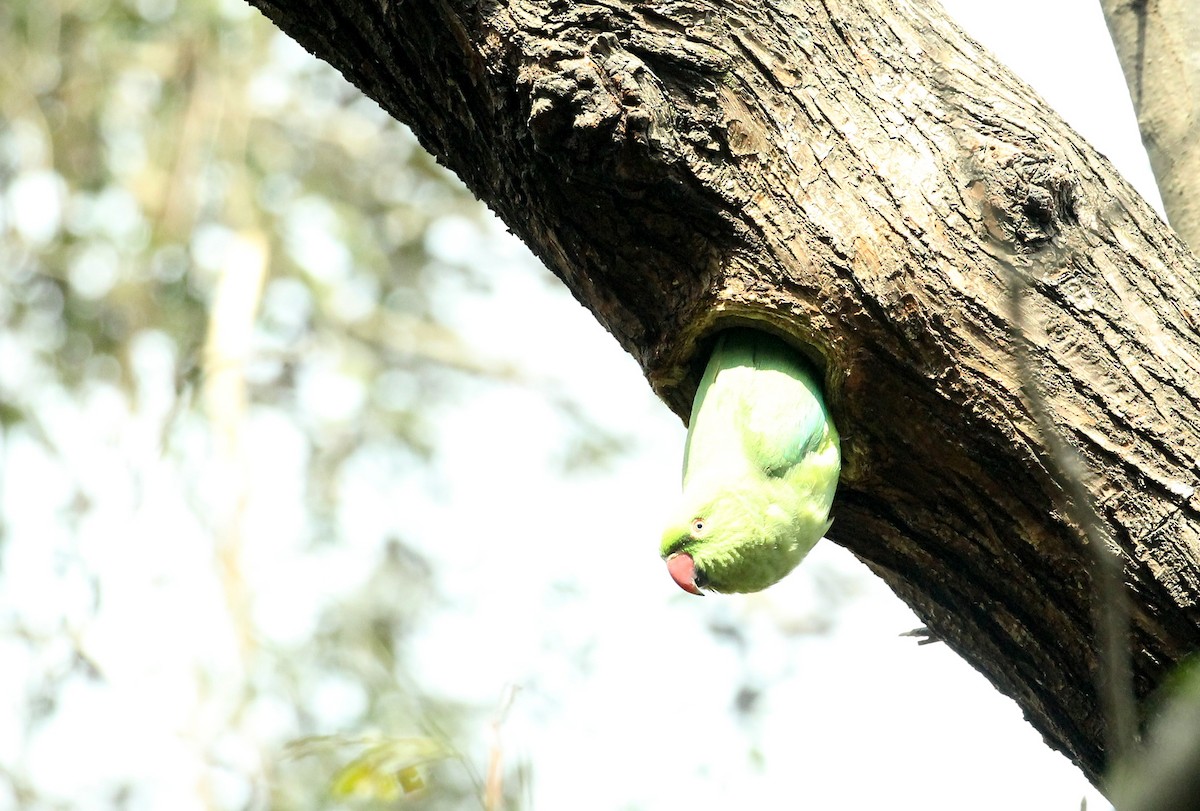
(697, 526)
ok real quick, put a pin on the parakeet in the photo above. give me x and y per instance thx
(759, 468)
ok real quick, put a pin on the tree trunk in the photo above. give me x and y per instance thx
(860, 177)
(1159, 47)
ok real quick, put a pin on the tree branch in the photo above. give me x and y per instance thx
(856, 176)
(1158, 44)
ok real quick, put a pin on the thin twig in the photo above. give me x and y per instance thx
(493, 797)
(1115, 674)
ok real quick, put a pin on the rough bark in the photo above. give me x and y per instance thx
(1158, 44)
(859, 176)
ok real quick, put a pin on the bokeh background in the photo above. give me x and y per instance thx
(306, 463)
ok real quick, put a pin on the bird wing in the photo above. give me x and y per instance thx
(785, 416)
(758, 405)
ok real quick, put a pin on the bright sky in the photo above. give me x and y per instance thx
(553, 584)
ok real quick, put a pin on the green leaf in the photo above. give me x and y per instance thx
(385, 768)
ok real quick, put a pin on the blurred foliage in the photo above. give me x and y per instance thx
(142, 143)
(383, 768)
(1163, 772)
(138, 141)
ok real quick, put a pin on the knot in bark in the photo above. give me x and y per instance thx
(605, 105)
(1032, 195)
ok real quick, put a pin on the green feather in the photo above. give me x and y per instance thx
(760, 466)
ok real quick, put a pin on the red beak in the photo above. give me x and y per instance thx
(683, 571)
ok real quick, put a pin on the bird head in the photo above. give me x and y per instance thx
(736, 541)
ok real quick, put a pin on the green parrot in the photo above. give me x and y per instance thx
(759, 469)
